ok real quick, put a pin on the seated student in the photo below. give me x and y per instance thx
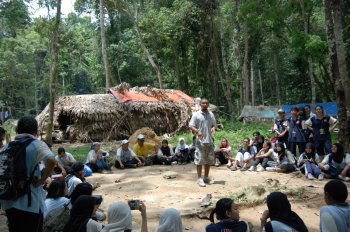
(227, 212)
(265, 155)
(170, 221)
(166, 154)
(2, 138)
(75, 177)
(223, 154)
(82, 211)
(334, 163)
(244, 157)
(335, 216)
(254, 140)
(147, 152)
(308, 161)
(119, 219)
(283, 160)
(65, 158)
(55, 198)
(181, 151)
(192, 149)
(282, 218)
(259, 145)
(97, 159)
(125, 157)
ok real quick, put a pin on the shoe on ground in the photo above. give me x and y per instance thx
(320, 177)
(174, 162)
(245, 168)
(344, 178)
(229, 164)
(200, 182)
(270, 169)
(252, 168)
(260, 169)
(208, 180)
(234, 168)
(217, 164)
(310, 176)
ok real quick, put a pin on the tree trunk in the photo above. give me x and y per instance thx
(261, 88)
(252, 88)
(309, 59)
(338, 86)
(104, 47)
(275, 70)
(53, 72)
(144, 48)
(245, 74)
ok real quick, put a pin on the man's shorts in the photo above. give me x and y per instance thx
(204, 154)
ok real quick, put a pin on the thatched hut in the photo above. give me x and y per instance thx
(98, 117)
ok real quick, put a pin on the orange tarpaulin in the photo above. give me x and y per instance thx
(174, 95)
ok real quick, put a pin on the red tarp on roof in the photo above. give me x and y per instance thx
(131, 95)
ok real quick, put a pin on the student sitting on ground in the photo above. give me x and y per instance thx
(254, 140)
(75, 177)
(192, 149)
(65, 158)
(283, 160)
(125, 157)
(56, 196)
(227, 213)
(181, 151)
(223, 154)
(81, 214)
(336, 215)
(259, 145)
(308, 163)
(166, 154)
(282, 218)
(147, 152)
(97, 159)
(170, 221)
(244, 157)
(265, 155)
(334, 163)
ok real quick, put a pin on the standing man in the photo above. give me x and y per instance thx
(203, 124)
(280, 127)
(26, 212)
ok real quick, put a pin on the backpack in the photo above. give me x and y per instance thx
(56, 220)
(14, 181)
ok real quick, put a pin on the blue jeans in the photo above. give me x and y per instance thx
(323, 147)
(312, 169)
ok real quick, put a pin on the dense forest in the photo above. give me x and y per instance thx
(234, 52)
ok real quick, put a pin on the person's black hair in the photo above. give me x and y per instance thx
(165, 141)
(321, 107)
(27, 125)
(61, 150)
(262, 137)
(339, 155)
(75, 169)
(56, 189)
(204, 99)
(222, 205)
(268, 143)
(256, 133)
(81, 189)
(246, 138)
(2, 131)
(337, 190)
(307, 106)
(295, 108)
(281, 153)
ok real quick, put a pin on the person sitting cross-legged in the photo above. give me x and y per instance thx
(181, 151)
(147, 152)
(65, 158)
(223, 154)
(284, 160)
(166, 154)
(265, 155)
(308, 161)
(125, 157)
(97, 159)
(335, 216)
(244, 157)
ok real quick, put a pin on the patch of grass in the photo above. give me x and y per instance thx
(79, 152)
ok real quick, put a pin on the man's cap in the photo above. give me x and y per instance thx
(125, 141)
(281, 111)
(140, 137)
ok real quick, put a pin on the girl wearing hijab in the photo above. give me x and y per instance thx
(227, 212)
(166, 154)
(334, 163)
(97, 159)
(170, 221)
(308, 161)
(75, 176)
(181, 151)
(223, 154)
(83, 210)
(282, 218)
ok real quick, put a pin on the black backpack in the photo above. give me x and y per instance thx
(14, 181)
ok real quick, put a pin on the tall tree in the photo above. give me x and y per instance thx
(53, 72)
(104, 46)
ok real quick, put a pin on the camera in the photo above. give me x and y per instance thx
(134, 204)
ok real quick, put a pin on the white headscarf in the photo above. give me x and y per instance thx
(119, 218)
(181, 146)
(170, 221)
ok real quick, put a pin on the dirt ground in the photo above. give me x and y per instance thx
(182, 193)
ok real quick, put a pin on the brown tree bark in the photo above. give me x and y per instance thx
(245, 71)
(104, 47)
(53, 72)
(275, 70)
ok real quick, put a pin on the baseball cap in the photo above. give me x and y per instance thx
(281, 111)
(140, 137)
(125, 141)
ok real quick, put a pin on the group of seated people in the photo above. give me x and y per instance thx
(260, 155)
(85, 216)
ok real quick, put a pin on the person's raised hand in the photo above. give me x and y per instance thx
(142, 208)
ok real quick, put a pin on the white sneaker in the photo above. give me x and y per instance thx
(174, 162)
(320, 177)
(208, 180)
(200, 182)
(251, 169)
(310, 176)
(344, 178)
(260, 169)
(270, 169)
(229, 164)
